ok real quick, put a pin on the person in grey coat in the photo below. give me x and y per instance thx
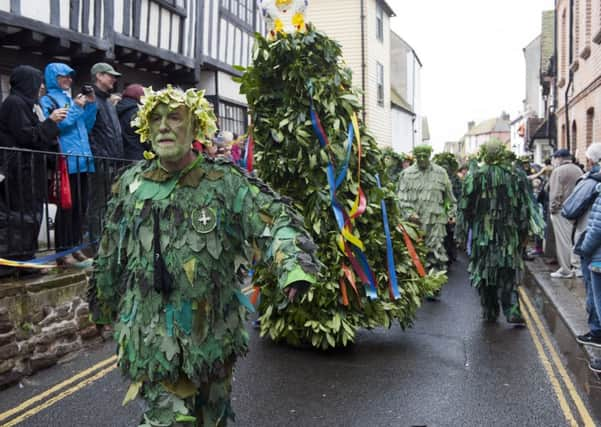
(562, 182)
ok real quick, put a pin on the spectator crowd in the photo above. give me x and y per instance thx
(63, 145)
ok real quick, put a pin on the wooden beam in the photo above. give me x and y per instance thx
(126, 17)
(57, 46)
(136, 15)
(135, 44)
(15, 7)
(97, 18)
(55, 12)
(124, 54)
(15, 21)
(25, 39)
(85, 13)
(74, 14)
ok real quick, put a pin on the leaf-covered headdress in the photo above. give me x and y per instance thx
(204, 122)
(495, 152)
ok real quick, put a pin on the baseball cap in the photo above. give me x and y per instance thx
(562, 152)
(103, 67)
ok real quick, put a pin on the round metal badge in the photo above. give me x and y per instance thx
(204, 220)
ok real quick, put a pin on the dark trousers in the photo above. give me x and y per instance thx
(100, 188)
(69, 222)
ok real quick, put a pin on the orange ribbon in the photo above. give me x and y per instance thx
(255, 295)
(412, 253)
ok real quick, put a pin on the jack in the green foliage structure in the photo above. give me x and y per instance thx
(302, 106)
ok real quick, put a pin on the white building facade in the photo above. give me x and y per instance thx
(406, 111)
(362, 27)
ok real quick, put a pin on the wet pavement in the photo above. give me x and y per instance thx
(450, 369)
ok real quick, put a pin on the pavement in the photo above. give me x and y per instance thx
(450, 369)
(562, 304)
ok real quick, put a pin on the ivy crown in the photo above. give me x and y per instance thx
(495, 152)
(422, 151)
(201, 111)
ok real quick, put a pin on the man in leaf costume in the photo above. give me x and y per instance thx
(297, 88)
(497, 206)
(426, 196)
(449, 163)
(178, 229)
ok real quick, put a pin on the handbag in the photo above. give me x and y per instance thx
(580, 199)
(60, 188)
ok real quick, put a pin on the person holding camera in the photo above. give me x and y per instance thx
(74, 144)
(106, 141)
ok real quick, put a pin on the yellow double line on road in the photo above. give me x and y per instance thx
(111, 362)
(62, 390)
(553, 365)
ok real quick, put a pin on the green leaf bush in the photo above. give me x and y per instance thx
(288, 157)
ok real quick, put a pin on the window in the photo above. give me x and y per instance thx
(379, 22)
(380, 78)
(232, 118)
(590, 120)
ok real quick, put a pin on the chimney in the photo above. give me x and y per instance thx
(505, 116)
(470, 125)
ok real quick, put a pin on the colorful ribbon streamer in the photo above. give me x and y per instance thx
(355, 253)
(412, 253)
(394, 286)
(42, 262)
(249, 148)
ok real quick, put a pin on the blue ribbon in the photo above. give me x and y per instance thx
(371, 290)
(333, 183)
(389, 253)
(54, 257)
(342, 175)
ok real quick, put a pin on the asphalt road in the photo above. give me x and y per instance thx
(451, 369)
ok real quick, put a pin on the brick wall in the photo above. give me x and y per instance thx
(585, 96)
(42, 321)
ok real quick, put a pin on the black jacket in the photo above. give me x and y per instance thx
(105, 138)
(26, 173)
(133, 149)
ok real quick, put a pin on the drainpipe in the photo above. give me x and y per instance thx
(554, 72)
(571, 76)
(413, 103)
(363, 64)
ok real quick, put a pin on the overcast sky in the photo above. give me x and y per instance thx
(471, 51)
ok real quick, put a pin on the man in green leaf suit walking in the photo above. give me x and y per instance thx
(179, 231)
(497, 214)
(426, 195)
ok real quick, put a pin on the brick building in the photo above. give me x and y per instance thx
(578, 87)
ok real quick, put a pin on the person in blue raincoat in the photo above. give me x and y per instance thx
(74, 143)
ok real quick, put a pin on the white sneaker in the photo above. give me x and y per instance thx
(559, 274)
(577, 272)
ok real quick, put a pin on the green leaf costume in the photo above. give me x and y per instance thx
(498, 207)
(179, 322)
(289, 157)
(428, 195)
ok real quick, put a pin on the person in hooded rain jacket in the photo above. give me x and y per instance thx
(25, 173)
(127, 108)
(74, 142)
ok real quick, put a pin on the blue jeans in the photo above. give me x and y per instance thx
(593, 296)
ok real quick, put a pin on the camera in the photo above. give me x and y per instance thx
(87, 90)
